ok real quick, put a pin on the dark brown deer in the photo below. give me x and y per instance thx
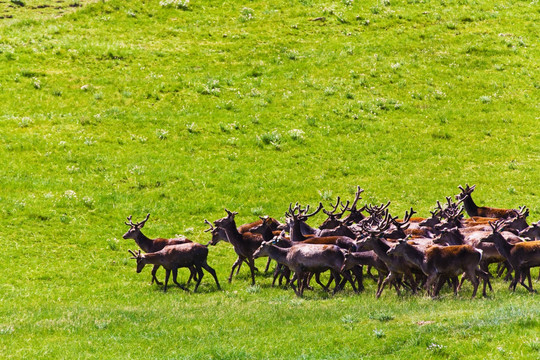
(474, 210)
(244, 244)
(397, 267)
(521, 256)
(172, 257)
(367, 258)
(150, 245)
(441, 261)
(295, 220)
(304, 259)
(355, 214)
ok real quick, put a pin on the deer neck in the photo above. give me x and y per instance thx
(267, 233)
(417, 257)
(154, 259)
(296, 231)
(470, 206)
(278, 254)
(380, 248)
(502, 246)
(232, 234)
(144, 242)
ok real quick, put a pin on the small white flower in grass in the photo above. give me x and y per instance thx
(296, 134)
(88, 201)
(85, 87)
(70, 194)
(178, 4)
(435, 347)
(136, 170)
(162, 134)
(89, 141)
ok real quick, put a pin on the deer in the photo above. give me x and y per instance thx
(173, 257)
(244, 244)
(295, 220)
(474, 210)
(397, 267)
(304, 259)
(368, 258)
(521, 256)
(441, 261)
(151, 245)
(355, 214)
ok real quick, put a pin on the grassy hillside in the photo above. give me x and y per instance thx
(114, 108)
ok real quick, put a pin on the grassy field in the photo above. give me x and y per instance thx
(112, 108)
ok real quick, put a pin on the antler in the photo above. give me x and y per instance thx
(523, 211)
(130, 222)
(135, 255)
(231, 213)
(141, 224)
(304, 213)
(211, 226)
(498, 225)
(378, 224)
(329, 213)
(357, 197)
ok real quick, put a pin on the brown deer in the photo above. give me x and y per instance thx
(397, 267)
(441, 261)
(244, 244)
(367, 258)
(304, 259)
(151, 245)
(521, 256)
(172, 257)
(474, 210)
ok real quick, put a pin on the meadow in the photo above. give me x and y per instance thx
(181, 109)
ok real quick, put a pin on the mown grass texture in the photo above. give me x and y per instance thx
(130, 107)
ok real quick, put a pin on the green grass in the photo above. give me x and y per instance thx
(127, 107)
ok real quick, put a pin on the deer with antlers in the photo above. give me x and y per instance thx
(522, 256)
(151, 245)
(173, 257)
(244, 244)
(474, 210)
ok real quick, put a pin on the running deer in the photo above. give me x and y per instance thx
(441, 262)
(151, 245)
(173, 257)
(521, 256)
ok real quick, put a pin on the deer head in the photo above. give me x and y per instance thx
(135, 229)
(140, 259)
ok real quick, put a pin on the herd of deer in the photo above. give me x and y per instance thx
(407, 253)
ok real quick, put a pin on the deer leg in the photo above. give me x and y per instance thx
(429, 284)
(359, 274)
(212, 272)
(167, 274)
(391, 276)
(251, 263)
(438, 284)
(318, 280)
(154, 278)
(347, 277)
(471, 274)
(267, 265)
(517, 276)
(174, 276)
(337, 279)
(239, 266)
(238, 262)
(277, 272)
(199, 278)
